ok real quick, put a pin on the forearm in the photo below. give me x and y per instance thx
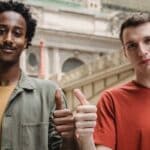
(86, 143)
(102, 147)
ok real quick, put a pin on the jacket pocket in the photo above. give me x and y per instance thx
(35, 136)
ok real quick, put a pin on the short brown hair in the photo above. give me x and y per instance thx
(133, 21)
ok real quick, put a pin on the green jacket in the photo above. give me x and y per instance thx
(27, 122)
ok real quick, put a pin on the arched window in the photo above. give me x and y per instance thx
(32, 60)
(71, 64)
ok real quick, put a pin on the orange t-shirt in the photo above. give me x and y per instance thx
(123, 121)
(5, 92)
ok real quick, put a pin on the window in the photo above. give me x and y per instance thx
(71, 64)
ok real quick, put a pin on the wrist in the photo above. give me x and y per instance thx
(86, 142)
(70, 143)
(85, 138)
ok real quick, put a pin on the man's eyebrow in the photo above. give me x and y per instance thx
(148, 36)
(18, 27)
(129, 42)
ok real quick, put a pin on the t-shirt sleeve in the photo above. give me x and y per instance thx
(105, 133)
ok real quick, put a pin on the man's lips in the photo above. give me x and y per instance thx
(7, 49)
(145, 61)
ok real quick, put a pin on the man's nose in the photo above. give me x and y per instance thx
(8, 37)
(143, 50)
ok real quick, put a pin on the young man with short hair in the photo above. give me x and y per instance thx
(123, 121)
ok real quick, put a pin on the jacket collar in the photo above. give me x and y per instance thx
(26, 82)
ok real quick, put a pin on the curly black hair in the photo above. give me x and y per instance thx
(24, 10)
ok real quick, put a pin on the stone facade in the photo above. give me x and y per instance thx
(71, 37)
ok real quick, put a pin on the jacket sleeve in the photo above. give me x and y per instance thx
(54, 139)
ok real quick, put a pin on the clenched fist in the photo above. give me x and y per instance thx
(63, 118)
(85, 121)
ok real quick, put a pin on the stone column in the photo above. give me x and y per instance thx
(56, 63)
(23, 61)
(46, 62)
(42, 60)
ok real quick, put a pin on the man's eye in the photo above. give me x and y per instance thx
(2, 30)
(132, 46)
(17, 33)
(147, 41)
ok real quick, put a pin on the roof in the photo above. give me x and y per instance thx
(135, 5)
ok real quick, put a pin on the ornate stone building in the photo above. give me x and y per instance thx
(75, 32)
(70, 33)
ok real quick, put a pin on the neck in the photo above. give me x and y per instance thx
(143, 79)
(9, 74)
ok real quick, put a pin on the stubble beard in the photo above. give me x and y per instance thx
(6, 65)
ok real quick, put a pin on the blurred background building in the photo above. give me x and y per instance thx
(76, 44)
(70, 33)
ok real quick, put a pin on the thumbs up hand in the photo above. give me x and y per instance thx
(85, 118)
(58, 100)
(63, 118)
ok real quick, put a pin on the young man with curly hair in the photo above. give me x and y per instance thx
(27, 104)
(33, 113)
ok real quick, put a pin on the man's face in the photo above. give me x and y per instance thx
(12, 36)
(136, 43)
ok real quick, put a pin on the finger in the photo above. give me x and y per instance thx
(67, 134)
(84, 131)
(85, 124)
(86, 109)
(86, 117)
(58, 99)
(80, 96)
(65, 128)
(63, 121)
(62, 113)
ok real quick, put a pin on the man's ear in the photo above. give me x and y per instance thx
(25, 44)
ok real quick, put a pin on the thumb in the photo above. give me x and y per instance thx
(80, 96)
(58, 99)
